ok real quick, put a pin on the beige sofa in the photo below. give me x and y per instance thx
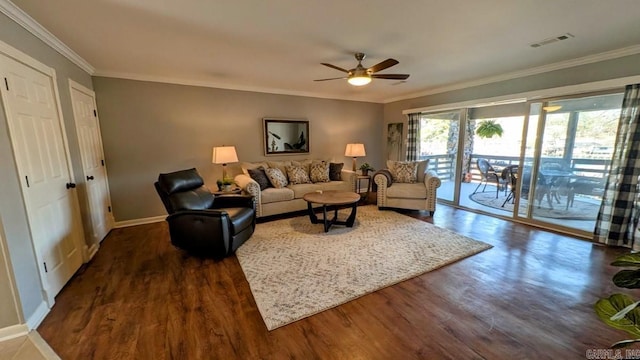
(418, 195)
(272, 201)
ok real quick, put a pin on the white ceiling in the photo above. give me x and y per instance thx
(277, 45)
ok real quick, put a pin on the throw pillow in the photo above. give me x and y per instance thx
(305, 164)
(297, 175)
(335, 170)
(245, 166)
(404, 171)
(276, 177)
(282, 165)
(319, 172)
(259, 176)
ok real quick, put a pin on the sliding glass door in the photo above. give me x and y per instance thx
(567, 157)
(542, 162)
(439, 141)
(492, 158)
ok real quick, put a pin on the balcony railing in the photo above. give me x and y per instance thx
(444, 165)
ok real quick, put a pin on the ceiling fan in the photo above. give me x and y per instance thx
(360, 75)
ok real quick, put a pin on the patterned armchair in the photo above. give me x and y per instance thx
(398, 189)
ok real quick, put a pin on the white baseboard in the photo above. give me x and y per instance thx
(13, 331)
(149, 220)
(91, 252)
(45, 350)
(36, 318)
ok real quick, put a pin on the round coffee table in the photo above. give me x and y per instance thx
(332, 198)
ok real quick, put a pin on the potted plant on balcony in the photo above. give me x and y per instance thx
(488, 128)
(365, 168)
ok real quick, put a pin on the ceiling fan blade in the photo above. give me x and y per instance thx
(383, 65)
(391, 76)
(335, 67)
(344, 77)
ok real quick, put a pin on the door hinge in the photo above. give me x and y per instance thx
(102, 161)
(95, 113)
(45, 268)
(27, 178)
(6, 83)
(109, 207)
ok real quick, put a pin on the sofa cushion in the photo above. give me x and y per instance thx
(407, 191)
(335, 170)
(336, 185)
(276, 177)
(319, 172)
(259, 176)
(301, 189)
(297, 175)
(271, 195)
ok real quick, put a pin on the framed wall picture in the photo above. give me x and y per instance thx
(285, 136)
(394, 141)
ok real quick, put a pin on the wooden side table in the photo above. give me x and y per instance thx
(359, 178)
(232, 191)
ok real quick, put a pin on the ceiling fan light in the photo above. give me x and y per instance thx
(359, 80)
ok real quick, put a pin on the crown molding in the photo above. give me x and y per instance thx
(608, 55)
(23, 19)
(275, 91)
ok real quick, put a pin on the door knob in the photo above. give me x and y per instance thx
(71, 185)
(90, 177)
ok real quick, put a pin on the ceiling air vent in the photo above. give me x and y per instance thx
(552, 40)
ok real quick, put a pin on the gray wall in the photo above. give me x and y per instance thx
(12, 208)
(9, 305)
(149, 128)
(604, 70)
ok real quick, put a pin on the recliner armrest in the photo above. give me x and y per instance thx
(233, 200)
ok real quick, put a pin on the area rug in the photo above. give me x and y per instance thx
(581, 210)
(296, 270)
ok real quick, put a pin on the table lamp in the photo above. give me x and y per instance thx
(355, 150)
(224, 155)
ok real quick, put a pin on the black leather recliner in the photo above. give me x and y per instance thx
(201, 223)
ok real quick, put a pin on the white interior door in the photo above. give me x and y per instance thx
(90, 140)
(39, 146)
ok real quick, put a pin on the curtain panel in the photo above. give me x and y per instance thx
(413, 140)
(617, 219)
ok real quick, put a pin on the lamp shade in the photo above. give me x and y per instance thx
(224, 155)
(355, 150)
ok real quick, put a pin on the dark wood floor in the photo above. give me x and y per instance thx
(530, 297)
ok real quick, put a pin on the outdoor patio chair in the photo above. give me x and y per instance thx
(487, 173)
(510, 174)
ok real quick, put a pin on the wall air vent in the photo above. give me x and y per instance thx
(552, 40)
